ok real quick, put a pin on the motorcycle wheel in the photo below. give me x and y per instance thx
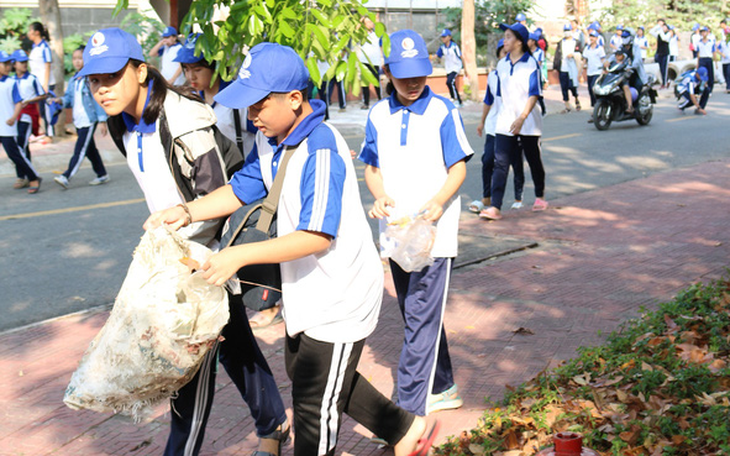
(644, 119)
(601, 117)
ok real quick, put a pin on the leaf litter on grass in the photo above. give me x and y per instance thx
(660, 385)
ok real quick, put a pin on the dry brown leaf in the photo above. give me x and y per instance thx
(646, 367)
(677, 439)
(717, 365)
(631, 436)
(622, 396)
(512, 440)
(476, 450)
(628, 365)
(670, 323)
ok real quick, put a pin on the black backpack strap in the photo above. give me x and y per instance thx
(271, 202)
(239, 133)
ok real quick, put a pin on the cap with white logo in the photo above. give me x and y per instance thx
(408, 55)
(108, 50)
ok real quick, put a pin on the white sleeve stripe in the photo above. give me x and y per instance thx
(321, 190)
(460, 133)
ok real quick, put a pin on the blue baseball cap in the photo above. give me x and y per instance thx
(500, 43)
(19, 56)
(446, 32)
(268, 68)
(538, 30)
(187, 54)
(5, 57)
(619, 27)
(534, 36)
(408, 55)
(521, 17)
(567, 27)
(641, 27)
(108, 50)
(169, 31)
(670, 27)
(702, 73)
(593, 33)
(695, 27)
(704, 28)
(520, 30)
(626, 33)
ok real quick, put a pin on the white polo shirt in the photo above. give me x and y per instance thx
(491, 99)
(9, 96)
(642, 41)
(371, 50)
(29, 87)
(333, 296)
(37, 59)
(705, 48)
(451, 55)
(227, 123)
(80, 118)
(594, 59)
(414, 147)
(516, 84)
(616, 41)
(724, 49)
(674, 46)
(168, 66)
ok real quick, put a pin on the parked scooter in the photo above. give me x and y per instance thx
(611, 103)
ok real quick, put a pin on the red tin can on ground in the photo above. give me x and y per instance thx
(567, 444)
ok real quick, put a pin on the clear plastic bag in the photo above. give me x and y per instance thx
(164, 321)
(411, 241)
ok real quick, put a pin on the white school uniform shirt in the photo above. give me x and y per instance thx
(452, 57)
(168, 66)
(491, 99)
(227, 122)
(9, 96)
(37, 59)
(616, 41)
(414, 147)
(674, 46)
(539, 55)
(80, 118)
(724, 49)
(567, 48)
(706, 48)
(335, 295)
(370, 50)
(29, 87)
(642, 41)
(516, 84)
(594, 59)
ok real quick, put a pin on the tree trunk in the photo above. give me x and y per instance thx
(51, 16)
(469, 49)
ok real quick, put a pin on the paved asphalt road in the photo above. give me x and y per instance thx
(66, 251)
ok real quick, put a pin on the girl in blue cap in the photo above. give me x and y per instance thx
(31, 91)
(416, 150)
(519, 122)
(174, 151)
(167, 49)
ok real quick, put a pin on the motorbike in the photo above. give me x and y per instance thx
(610, 100)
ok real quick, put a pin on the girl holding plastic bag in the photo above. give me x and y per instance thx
(416, 151)
(176, 155)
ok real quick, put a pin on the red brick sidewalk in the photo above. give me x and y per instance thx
(601, 255)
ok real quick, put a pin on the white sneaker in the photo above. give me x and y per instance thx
(61, 180)
(517, 205)
(100, 180)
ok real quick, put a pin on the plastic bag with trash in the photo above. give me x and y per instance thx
(164, 320)
(410, 241)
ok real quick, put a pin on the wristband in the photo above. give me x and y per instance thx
(187, 212)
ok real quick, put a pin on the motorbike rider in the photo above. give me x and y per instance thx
(632, 51)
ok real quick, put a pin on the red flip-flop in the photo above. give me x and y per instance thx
(426, 441)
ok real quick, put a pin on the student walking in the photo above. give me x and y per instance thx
(451, 54)
(487, 126)
(41, 65)
(323, 243)
(594, 56)
(166, 49)
(31, 92)
(519, 122)
(87, 114)
(567, 67)
(706, 49)
(149, 120)
(661, 32)
(370, 55)
(10, 107)
(724, 50)
(416, 150)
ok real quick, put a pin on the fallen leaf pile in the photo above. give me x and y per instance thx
(658, 386)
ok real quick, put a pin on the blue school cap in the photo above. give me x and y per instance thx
(187, 54)
(704, 28)
(619, 27)
(521, 17)
(446, 32)
(268, 68)
(5, 57)
(593, 33)
(534, 36)
(500, 43)
(695, 27)
(108, 50)
(519, 29)
(702, 73)
(408, 55)
(539, 31)
(169, 31)
(567, 27)
(640, 27)
(19, 56)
